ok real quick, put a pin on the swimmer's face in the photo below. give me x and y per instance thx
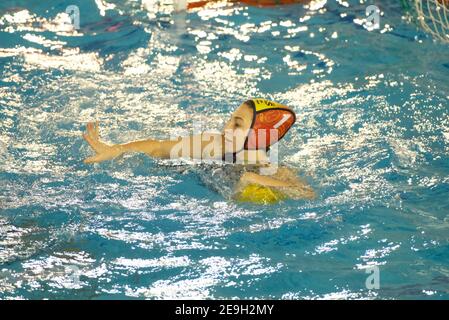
(237, 128)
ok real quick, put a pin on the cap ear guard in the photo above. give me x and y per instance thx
(271, 121)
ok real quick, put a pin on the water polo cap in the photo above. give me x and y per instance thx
(270, 123)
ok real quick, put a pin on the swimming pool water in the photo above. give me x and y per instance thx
(372, 138)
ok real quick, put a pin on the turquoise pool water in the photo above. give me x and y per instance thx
(372, 138)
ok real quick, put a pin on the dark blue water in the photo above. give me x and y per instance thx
(372, 138)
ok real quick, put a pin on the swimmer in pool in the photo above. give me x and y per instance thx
(242, 146)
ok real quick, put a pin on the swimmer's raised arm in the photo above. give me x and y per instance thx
(182, 147)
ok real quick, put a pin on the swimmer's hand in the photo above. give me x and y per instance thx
(298, 188)
(102, 150)
(266, 181)
(285, 180)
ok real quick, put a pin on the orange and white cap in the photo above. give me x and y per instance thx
(271, 121)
